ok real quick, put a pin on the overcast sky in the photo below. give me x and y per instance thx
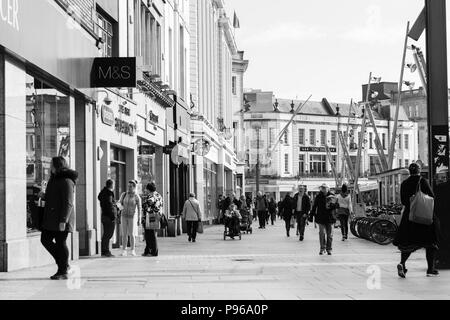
(323, 47)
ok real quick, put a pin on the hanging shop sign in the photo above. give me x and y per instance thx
(316, 149)
(125, 127)
(114, 73)
(108, 116)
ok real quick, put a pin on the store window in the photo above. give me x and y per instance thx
(301, 164)
(146, 163)
(210, 189)
(318, 164)
(48, 136)
(118, 169)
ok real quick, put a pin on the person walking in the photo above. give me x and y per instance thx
(302, 204)
(273, 210)
(261, 209)
(109, 215)
(267, 215)
(322, 213)
(288, 213)
(59, 217)
(412, 236)
(152, 211)
(193, 216)
(344, 211)
(130, 217)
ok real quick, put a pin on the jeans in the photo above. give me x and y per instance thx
(262, 219)
(326, 237)
(344, 225)
(109, 227)
(301, 225)
(273, 217)
(151, 242)
(56, 244)
(288, 226)
(192, 227)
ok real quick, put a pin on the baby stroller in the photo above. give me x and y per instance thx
(246, 222)
(232, 225)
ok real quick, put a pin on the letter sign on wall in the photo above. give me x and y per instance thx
(114, 73)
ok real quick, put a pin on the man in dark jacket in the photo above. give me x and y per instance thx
(413, 236)
(261, 206)
(322, 212)
(59, 216)
(109, 214)
(288, 212)
(302, 207)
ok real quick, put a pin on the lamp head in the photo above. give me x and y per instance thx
(107, 100)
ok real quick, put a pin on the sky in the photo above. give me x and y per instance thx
(326, 48)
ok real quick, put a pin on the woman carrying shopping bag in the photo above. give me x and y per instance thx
(152, 219)
(193, 216)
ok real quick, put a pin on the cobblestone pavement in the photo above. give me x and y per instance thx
(264, 265)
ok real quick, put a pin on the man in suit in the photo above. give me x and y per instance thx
(302, 205)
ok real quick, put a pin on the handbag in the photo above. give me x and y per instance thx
(421, 207)
(37, 217)
(200, 223)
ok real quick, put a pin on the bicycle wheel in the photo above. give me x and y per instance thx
(383, 232)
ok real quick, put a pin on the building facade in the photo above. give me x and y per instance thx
(213, 48)
(301, 156)
(48, 108)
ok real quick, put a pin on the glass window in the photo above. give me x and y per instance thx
(334, 138)
(318, 164)
(301, 164)
(233, 83)
(286, 137)
(47, 136)
(406, 141)
(146, 163)
(301, 137)
(400, 141)
(286, 163)
(323, 137)
(105, 31)
(371, 140)
(312, 137)
(384, 140)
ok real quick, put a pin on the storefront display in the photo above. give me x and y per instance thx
(47, 136)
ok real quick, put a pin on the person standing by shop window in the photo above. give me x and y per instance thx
(109, 215)
(193, 216)
(59, 217)
(345, 210)
(152, 211)
(130, 217)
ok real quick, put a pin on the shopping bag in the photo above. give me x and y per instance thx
(200, 227)
(293, 222)
(421, 208)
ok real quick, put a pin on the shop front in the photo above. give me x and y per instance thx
(39, 119)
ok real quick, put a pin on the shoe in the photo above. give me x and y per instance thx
(124, 253)
(146, 255)
(108, 255)
(193, 240)
(432, 273)
(302, 238)
(60, 276)
(189, 239)
(343, 239)
(321, 253)
(133, 253)
(401, 271)
(330, 253)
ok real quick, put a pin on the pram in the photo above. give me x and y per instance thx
(246, 222)
(229, 219)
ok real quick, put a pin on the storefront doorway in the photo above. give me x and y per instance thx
(118, 169)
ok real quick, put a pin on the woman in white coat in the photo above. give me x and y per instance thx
(193, 216)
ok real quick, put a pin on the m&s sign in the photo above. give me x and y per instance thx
(114, 73)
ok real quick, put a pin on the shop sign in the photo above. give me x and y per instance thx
(316, 149)
(9, 13)
(108, 116)
(153, 118)
(124, 110)
(124, 127)
(114, 73)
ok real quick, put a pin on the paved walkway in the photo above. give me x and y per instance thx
(265, 265)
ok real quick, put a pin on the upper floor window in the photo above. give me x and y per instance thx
(105, 31)
(312, 137)
(286, 163)
(286, 137)
(234, 85)
(400, 141)
(301, 137)
(323, 137)
(334, 138)
(406, 141)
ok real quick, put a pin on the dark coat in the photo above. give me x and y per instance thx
(320, 212)
(287, 207)
(412, 236)
(108, 204)
(59, 201)
(272, 207)
(227, 203)
(306, 205)
(442, 209)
